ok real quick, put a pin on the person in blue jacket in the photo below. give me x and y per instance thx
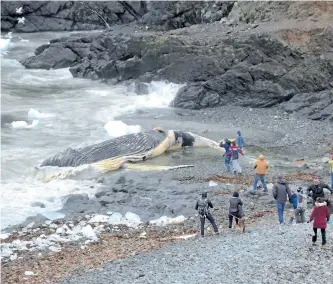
(240, 140)
(227, 155)
(294, 199)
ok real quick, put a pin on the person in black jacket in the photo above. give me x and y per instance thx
(317, 190)
(203, 206)
(235, 208)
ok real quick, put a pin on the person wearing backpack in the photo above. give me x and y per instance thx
(235, 208)
(203, 206)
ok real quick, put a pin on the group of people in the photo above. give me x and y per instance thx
(231, 156)
(232, 151)
(322, 206)
(204, 204)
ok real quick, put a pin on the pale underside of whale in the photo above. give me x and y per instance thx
(124, 151)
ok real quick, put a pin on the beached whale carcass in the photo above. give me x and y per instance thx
(125, 150)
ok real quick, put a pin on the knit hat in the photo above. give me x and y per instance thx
(235, 194)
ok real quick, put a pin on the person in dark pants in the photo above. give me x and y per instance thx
(203, 205)
(320, 215)
(235, 208)
(281, 193)
(317, 190)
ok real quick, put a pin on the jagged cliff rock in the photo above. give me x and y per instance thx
(80, 15)
(236, 61)
(247, 68)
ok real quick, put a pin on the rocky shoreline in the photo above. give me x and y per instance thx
(243, 69)
(172, 193)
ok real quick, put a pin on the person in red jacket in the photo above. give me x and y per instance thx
(320, 215)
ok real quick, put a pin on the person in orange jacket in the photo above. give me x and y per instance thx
(261, 167)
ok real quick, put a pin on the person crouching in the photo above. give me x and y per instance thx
(235, 208)
(203, 206)
(320, 215)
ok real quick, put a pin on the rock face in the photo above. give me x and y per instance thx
(80, 15)
(67, 15)
(245, 68)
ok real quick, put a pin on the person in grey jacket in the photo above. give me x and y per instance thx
(281, 193)
(235, 208)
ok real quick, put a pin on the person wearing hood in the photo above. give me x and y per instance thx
(281, 193)
(320, 215)
(317, 190)
(235, 208)
(227, 155)
(235, 151)
(203, 206)
(261, 167)
(240, 140)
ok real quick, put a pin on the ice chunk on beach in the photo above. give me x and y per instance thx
(116, 128)
(212, 183)
(164, 220)
(53, 215)
(116, 218)
(132, 220)
(132, 217)
(4, 236)
(35, 114)
(99, 219)
(6, 252)
(89, 233)
(54, 249)
(28, 273)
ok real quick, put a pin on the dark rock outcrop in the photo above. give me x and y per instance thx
(68, 15)
(247, 68)
(91, 15)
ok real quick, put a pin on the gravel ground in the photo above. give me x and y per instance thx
(267, 254)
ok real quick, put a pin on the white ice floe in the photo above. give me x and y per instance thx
(35, 114)
(89, 229)
(99, 219)
(89, 233)
(29, 273)
(116, 128)
(186, 237)
(164, 220)
(24, 125)
(4, 236)
(212, 183)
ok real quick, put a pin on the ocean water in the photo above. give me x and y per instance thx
(44, 112)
